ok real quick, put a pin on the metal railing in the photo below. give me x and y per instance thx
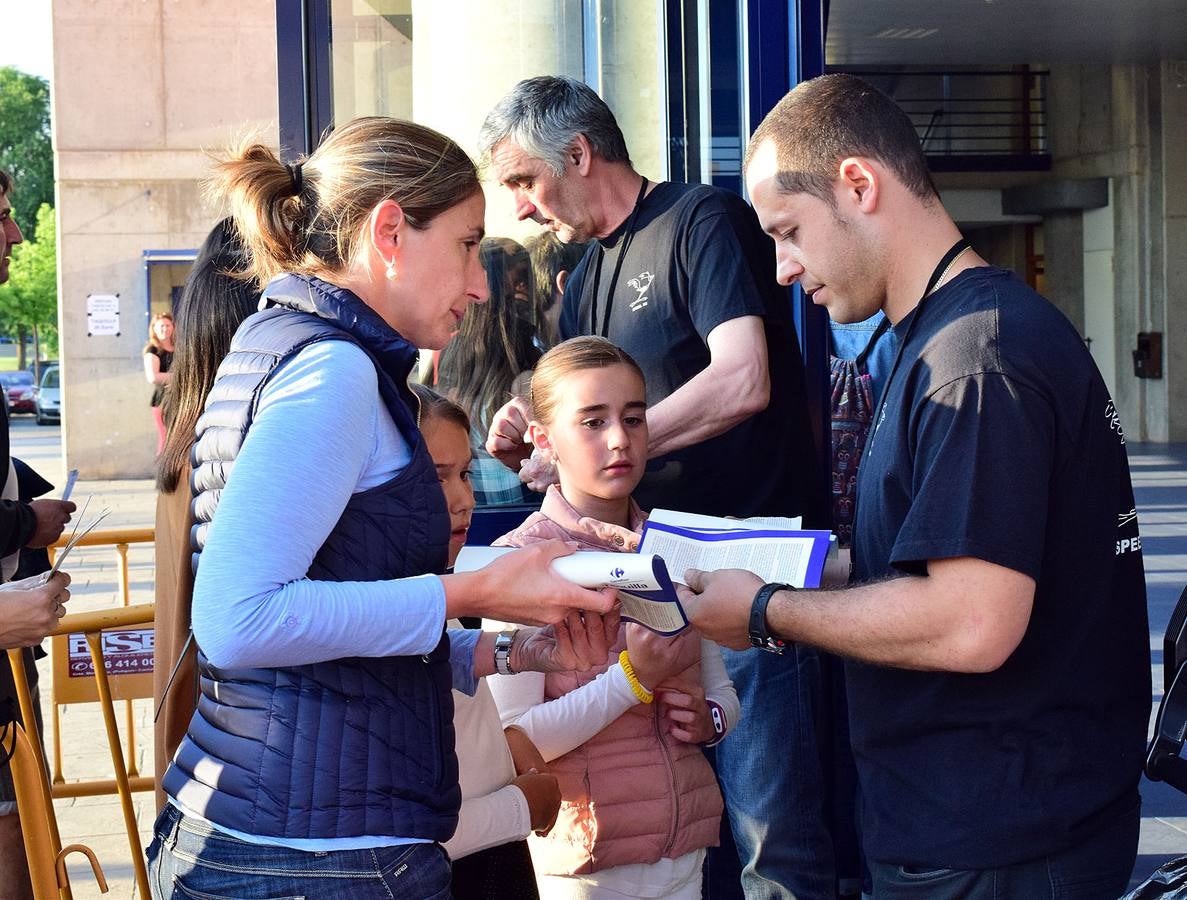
(96, 681)
(973, 119)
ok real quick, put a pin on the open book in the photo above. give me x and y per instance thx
(773, 549)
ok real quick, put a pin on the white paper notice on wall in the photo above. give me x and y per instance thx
(103, 315)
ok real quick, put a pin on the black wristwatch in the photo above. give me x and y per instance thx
(759, 636)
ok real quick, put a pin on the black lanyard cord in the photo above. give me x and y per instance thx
(937, 275)
(626, 242)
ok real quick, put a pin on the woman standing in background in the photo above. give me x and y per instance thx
(158, 357)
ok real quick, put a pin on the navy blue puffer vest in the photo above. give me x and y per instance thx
(350, 747)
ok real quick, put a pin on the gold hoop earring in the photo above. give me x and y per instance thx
(390, 269)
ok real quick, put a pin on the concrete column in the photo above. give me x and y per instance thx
(1172, 140)
(466, 56)
(1063, 260)
(1098, 298)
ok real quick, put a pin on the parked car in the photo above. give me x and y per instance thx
(48, 398)
(18, 387)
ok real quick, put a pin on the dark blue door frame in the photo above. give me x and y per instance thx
(303, 73)
(786, 46)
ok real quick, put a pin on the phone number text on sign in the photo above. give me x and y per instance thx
(124, 653)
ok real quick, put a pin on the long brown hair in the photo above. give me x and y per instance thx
(215, 300)
(308, 217)
(567, 357)
(153, 342)
(496, 340)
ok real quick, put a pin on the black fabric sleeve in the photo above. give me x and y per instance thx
(17, 524)
(983, 447)
(568, 325)
(721, 285)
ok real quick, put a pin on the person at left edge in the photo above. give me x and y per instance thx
(25, 616)
(320, 759)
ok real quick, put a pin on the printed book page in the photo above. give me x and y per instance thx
(718, 523)
(795, 558)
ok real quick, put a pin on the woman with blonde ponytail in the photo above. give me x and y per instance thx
(320, 761)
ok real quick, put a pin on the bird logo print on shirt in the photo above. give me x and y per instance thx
(641, 283)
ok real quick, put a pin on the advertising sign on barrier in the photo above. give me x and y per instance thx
(124, 653)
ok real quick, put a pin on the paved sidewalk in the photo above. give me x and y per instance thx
(1160, 481)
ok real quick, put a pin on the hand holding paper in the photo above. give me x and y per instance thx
(644, 589)
(718, 603)
(520, 588)
(30, 609)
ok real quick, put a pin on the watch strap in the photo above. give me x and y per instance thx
(760, 637)
(503, 651)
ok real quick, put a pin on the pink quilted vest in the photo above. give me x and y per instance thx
(632, 793)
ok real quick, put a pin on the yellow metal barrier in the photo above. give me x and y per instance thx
(73, 681)
(121, 631)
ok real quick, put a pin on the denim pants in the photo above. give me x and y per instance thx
(772, 777)
(190, 859)
(1096, 869)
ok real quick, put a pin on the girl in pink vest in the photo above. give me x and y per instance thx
(639, 801)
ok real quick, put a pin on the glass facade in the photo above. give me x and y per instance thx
(686, 79)
(670, 70)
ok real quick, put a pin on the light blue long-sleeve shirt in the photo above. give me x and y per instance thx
(320, 434)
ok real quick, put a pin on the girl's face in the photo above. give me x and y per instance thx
(449, 445)
(598, 434)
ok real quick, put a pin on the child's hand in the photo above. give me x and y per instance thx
(524, 754)
(538, 471)
(656, 658)
(544, 798)
(686, 714)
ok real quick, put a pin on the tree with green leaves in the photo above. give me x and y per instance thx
(26, 152)
(29, 300)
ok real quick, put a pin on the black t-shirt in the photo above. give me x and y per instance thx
(698, 258)
(999, 441)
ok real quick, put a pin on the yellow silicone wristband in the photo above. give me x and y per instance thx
(644, 695)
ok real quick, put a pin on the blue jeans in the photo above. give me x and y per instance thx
(190, 859)
(1097, 869)
(773, 780)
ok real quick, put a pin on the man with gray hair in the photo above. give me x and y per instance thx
(681, 277)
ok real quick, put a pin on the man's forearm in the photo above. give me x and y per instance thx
(967, 623)
(708, 404)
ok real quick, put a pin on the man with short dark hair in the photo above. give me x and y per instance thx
(680, 276)
(25, 616)
(997, 641)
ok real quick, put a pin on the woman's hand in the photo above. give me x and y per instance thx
(521, 587)
(656, 658)
(686, 713)
(578, 643)
(507, 438)
(544, 798)
(538, 471)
